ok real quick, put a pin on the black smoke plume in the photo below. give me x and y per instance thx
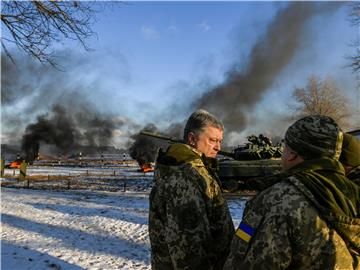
(66, 132)
(237, 96)
(55, 108)
(232, 100)
(144, 148)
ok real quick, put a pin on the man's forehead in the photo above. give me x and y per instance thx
(211, 130)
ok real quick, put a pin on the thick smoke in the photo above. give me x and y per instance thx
(57, 129)
(68, 119)
(57, 111)
(232, 100)
(66, 132)
(29, 79)
(24, 83)
(144, 149)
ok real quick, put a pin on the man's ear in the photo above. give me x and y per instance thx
(192, 139)
(292, 156)
(289, 155)
(347, 168)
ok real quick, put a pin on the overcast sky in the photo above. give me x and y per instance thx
(152, 60)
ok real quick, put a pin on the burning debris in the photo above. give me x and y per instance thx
(15, 164)
(146, 167)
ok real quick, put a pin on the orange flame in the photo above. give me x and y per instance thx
(15, 164)
(146, 167)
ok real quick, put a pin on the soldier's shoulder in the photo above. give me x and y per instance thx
(282, 196)
(278, 190)
(179, 175)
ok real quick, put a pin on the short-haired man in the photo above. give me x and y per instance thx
(310, 219)
(190, 226)
(350, 158)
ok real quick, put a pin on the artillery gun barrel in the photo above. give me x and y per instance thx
(159, 136)
(226, 154)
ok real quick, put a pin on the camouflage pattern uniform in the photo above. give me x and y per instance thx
(288, 232)
(308, 220)
(190, 226)
(263, 182)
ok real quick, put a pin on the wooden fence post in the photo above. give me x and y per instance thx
(22, 175)
(2, 165)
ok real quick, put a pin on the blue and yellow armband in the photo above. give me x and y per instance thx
(245, 232)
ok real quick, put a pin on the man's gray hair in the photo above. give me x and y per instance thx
(198, 120)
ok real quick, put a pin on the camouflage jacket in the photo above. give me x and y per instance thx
(283, 229)
(190, 226)
(264, 182)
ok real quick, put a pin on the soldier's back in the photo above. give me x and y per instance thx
(289, 233)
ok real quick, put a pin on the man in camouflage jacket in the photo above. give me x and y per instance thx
(190, 226)
(311, 218)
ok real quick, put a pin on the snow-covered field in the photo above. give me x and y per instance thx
(87, 229)
(73, 230)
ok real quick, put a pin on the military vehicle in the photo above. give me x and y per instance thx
(257, 158)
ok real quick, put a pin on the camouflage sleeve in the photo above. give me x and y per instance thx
(188, 231)
(262, 240)
(262, 183)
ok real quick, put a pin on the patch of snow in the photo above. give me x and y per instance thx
(44, 229)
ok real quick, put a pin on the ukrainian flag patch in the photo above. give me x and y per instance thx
(245, 232)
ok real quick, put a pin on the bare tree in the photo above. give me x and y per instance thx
(34, 26)
(355, 21)
(321, 97)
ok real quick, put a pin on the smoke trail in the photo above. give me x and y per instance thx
(231, 100)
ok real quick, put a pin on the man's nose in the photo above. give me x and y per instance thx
(217, 146)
